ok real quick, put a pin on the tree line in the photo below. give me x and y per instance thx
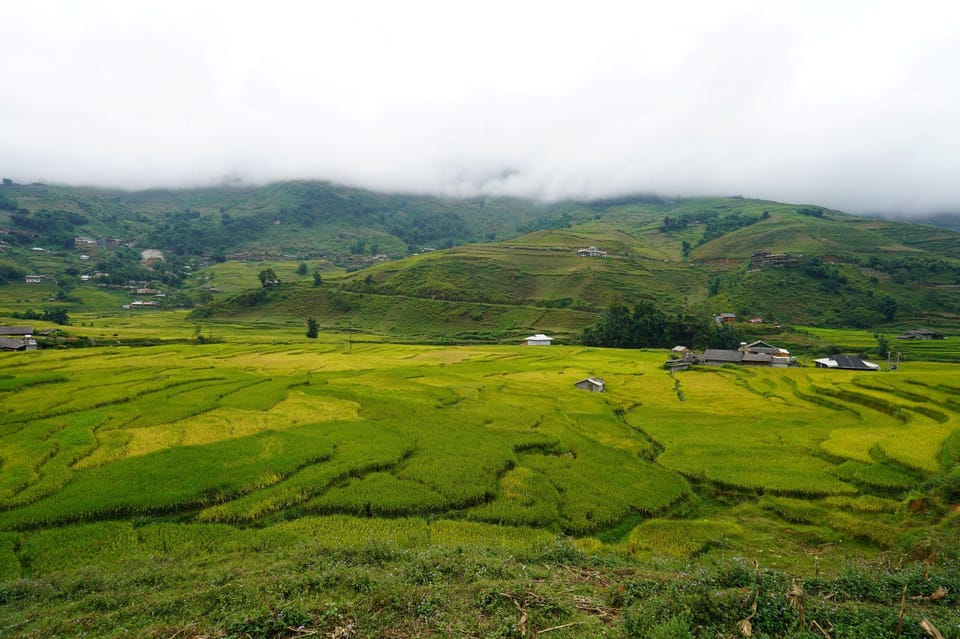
(646, 326)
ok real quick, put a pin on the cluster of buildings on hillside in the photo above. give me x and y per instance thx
(758, 353)
(765, 259)
(147, 257)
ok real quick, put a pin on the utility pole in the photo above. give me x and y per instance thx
(893, 360)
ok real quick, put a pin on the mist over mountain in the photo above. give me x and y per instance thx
(849, 106)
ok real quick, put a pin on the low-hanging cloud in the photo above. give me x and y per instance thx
(852, 105)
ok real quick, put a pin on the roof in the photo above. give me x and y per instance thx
(917, 332)
(757, 357)
(679, 349)
(16, 330)
(722, 355)
(760, 344)
(848, 362)
(538, 336)
(15, 344)
(593, 381)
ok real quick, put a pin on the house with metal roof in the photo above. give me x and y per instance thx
(846, 362)
(592, 384)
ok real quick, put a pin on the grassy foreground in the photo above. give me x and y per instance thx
(375, 490)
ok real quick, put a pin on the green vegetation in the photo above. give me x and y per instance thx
(211, 468)
(448, 490)
(684, 255)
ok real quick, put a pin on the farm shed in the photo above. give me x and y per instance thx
(846, 362)
(538, 340)
(920, 333)
(35, 279)
(592, 384)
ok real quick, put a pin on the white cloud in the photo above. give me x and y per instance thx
(848, 104)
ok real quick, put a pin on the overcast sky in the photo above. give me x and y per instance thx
(854, 105)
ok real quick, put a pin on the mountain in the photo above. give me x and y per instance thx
(428, 268)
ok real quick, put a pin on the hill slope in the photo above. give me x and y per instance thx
(842, 270)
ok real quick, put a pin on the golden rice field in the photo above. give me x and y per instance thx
(204, 476)
(269, 433)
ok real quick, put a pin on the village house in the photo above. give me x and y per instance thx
(721, 356)
(36, 279)
(17, 338)
(538, 340)
(81, 241)
(846, 362)
(136, 304)
(592, 384)
(593, 251)
(725, 318)
(151, 255)
(920, 333)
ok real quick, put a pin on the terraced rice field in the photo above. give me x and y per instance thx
(231, 434)
(115, 459)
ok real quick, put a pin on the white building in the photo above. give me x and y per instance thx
(593, 251)
(538, 340)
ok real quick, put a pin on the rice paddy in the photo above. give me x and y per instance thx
(111, 454)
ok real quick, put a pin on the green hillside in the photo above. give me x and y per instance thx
(510, 266)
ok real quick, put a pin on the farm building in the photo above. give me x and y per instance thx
(36, 279)
(592, 384)
(920, 333)
(538, 340)
(846, 362)
(593, 251)
(725, 318)
(720, 356)
(17, 338)
(678, 351)
(151, 255)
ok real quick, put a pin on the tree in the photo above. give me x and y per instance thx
(317, 278)
(883, 345)
(888, 307)
(57, 316)
(302, 269)
(268, 278)
(312, 328)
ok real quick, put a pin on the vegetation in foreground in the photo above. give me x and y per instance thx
(383, 490)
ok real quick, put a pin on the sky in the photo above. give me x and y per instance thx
(847, 104)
